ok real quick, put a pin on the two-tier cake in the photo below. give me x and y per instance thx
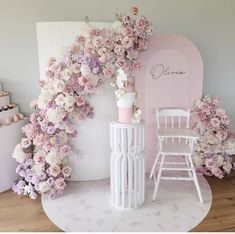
(11, 122)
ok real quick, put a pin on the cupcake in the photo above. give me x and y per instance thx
(5, 108)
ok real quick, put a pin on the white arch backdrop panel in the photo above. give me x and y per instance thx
(171, 75)
(90, 160)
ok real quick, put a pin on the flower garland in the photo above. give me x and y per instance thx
(70, 82)
(216, 142)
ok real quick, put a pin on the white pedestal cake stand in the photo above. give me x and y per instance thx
(127, 167)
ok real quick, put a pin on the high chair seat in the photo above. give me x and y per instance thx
(175, 148)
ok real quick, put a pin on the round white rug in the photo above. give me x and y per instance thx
(85, 206)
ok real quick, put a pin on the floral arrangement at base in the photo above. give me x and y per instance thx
(71, 80)
(216, 142)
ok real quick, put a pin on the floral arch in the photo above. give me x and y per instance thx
(70, 82)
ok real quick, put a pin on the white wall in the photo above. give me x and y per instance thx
(208, 23)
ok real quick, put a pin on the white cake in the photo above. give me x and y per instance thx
(5, 100)
(10, 135)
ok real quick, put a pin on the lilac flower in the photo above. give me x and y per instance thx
(51, 129)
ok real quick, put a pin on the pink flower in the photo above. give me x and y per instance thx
(209, 162)
(88, 87)
(134, 10)
(108, 72)
(221, 135)
(30, 131)
(225, 120)
(25, 143)
(215, 122)
(38, 140)
(141, 22)
(66, 171)
(127, 42)
(60, 183)
(39, 158)
(33, 103)
(80, 39)
(217, 172)
(80, 101)
(65, 150)
(142, 44)
(54, 171)
(82, 80)
(120, 62)
(118, 49)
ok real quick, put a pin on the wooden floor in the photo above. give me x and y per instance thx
(27, 215)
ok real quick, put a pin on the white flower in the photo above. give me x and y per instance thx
(69, 102)
(198, 159)
(19, 154)
(220, 111)
(65, 101)
(44, 99)
(37, 169)
(119, 92)
(230, 147)
(54, 158)
(25, 143)
(121, 78)
(56, 115)
(59, 100)
(66, 74)
(43, 187)
(85, 70)
(218, 160)
(58, 85)
(211, 139)
(117, 27)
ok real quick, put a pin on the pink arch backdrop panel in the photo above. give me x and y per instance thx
(171, 75)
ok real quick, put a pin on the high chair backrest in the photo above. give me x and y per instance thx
(172, 118)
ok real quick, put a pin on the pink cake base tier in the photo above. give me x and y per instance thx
(125, 114)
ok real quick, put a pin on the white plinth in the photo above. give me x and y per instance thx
(9, 137)
(127, 167)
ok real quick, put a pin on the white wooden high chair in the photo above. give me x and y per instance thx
(175, 138)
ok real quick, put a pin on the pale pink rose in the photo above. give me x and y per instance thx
(215, 122)
(25, 143)
(80, 39)
(127, 31)
(30, 131)
(127, 42)
(225, 120)
(120, 62)
(103, 59)
(215, 101)
(60, 183)
(141, 22)
(80, 101)
(39, 158)
(221, 135)
(108, 72)
(82, 80)
(134, 10)
(51, 61)
(204, 107)
(118, 49)
(209, 162)
(217, 172)
(94, 32)
(54, 171)
(70, 129)
(88, 87)
(65, 150)
(227, 166)
(38, 140)
(142, 44)
(88, 51)
(66, 171)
